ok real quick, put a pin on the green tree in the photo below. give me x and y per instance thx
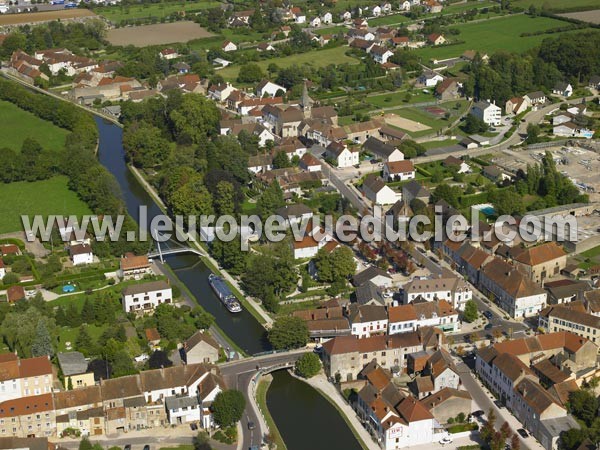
(228, 407)
(470, 313)
(42, 345)
(308, 365)
(288, 333)
(250, 73)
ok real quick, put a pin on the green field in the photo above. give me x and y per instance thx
(39, 197)
(18, 124)
(123, 12)
(392, 19)
(316, 58)
(495, 34)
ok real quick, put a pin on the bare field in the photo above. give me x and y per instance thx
(405, 124)
(44, 16)
(585, 16)
(164, 33)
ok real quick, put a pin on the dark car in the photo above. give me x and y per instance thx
(251, 426)
(488, 314)
(523, 433)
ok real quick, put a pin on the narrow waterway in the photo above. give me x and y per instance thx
(305, 419)
(242, 328)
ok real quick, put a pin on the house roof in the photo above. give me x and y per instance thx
(199, 337)
(540, 254)
(26, 405)
(72, 363)
(89, 395)
(368, 274)
(367, 313)
(133, 262)
(403, 166)
(150, 286)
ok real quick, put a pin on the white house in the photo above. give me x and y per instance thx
(452, 289)
(326, 18)
(266, 87)
(398, 170)
(81, 254)
(375, 189)
(439, 313)
(562, 88)
(168, 53)
(430, 78)
(367, 320)
(342, 155)
(146, 296)
(229, 46)
(488, 112)
(380, 54)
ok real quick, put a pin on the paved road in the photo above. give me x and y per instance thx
(240, 374)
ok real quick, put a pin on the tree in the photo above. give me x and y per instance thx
(308, 365)
(85, 444)
(201, 441)
(474, 125)
(42, 345)
(250, 73)
(515, 443)
(288, 333)
(159, 359)
(470, 313)
(228, 407)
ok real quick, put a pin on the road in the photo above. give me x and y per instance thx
(240, 374)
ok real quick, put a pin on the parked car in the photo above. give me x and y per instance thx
(523, 433)
(446, 440)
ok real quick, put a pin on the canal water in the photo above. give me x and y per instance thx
(305, 419)
(242, 327)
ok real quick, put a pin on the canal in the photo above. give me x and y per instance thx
(305, 419)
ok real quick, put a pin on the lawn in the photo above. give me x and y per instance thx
(158, 10)
(18, 124)
(391, 99)
(39, 197)
(495, 34)
(316, 58)
(392, 19)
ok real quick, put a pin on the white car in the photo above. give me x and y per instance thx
(446, 440)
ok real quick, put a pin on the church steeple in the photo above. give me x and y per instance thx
(306, 102)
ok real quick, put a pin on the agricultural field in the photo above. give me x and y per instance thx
(18, 124)
(159, 34)
(316, 58)
(39, 197)
(148, 10)
(492, 35)
(586, 16)
(44, 16)
(557, 5)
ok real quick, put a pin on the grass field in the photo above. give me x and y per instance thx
(18, 124)
(316, 58)
(39, 197)
(496, 34)
(123, 12)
